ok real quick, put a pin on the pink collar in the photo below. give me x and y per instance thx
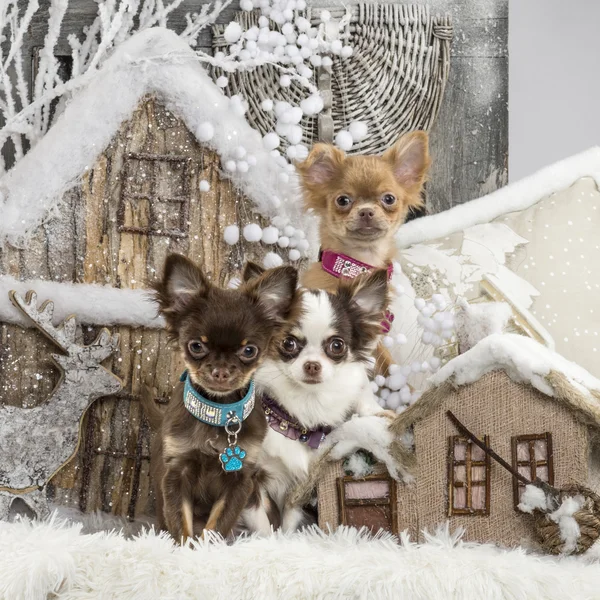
(340, 265)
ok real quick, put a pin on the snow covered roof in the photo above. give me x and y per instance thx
(155, 61)
(516, 196)
(525, 361)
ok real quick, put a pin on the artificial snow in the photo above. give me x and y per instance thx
(514, 197)
(533, 498)
(294, 254)
(54, 558)
(239, 152)
(231, 234)
(153, 62)
(370, 433)
(358, 466)
(567, 525)
(523, 359)
(91, 304)
(476, 321)
(204, 186)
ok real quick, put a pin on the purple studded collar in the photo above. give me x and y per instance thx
(281, 422)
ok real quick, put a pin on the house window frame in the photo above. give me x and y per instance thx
(549, 462)
(183, 201)
(391, 500)
(468, 464)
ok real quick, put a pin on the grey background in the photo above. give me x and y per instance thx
(554, 81)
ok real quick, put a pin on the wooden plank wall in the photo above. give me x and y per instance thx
(85, 244)
(470, 138)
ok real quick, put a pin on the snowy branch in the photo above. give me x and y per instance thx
(283, 39)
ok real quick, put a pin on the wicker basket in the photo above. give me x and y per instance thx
(394, 81)
(588, 519)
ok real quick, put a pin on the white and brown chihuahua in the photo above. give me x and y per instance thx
(318, 381)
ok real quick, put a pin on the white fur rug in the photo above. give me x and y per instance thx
(55, 560)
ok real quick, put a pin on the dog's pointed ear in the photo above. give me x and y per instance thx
(370, 292)
(410, 159)
(182, 281)
(275, 290)
(251, 271)
(321, 166)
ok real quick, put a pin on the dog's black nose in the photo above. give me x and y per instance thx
(366, 214)
(221, 375)
(312, 368)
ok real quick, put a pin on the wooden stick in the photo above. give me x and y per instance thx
(462, 429)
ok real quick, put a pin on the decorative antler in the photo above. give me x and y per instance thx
(32, 431)
(63, 335)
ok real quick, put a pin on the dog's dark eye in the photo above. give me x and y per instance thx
(197, 349)
(343, 201)
(336, 347)
(290, 344)
(248, 353)
(388, 199)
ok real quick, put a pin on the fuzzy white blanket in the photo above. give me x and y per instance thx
(55, 560)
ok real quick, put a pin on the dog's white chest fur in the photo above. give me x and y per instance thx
(287, 462)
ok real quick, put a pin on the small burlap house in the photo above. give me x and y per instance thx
(535, 409)
(91, 227)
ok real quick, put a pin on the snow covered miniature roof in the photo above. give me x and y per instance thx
(516, 196)
(155, 61)
(525, 361)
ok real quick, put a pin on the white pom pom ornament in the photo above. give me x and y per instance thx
(233, 32)
(205, 132)
(358, 130)
(271, 141)
(272, 260)
(253, 232)
(343, 140)
(231, 235)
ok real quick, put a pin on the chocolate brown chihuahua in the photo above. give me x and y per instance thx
(204, 458)
(361, 201)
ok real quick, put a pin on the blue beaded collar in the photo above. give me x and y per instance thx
(213, 413)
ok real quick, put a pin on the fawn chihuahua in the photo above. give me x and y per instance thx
(361, 201)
